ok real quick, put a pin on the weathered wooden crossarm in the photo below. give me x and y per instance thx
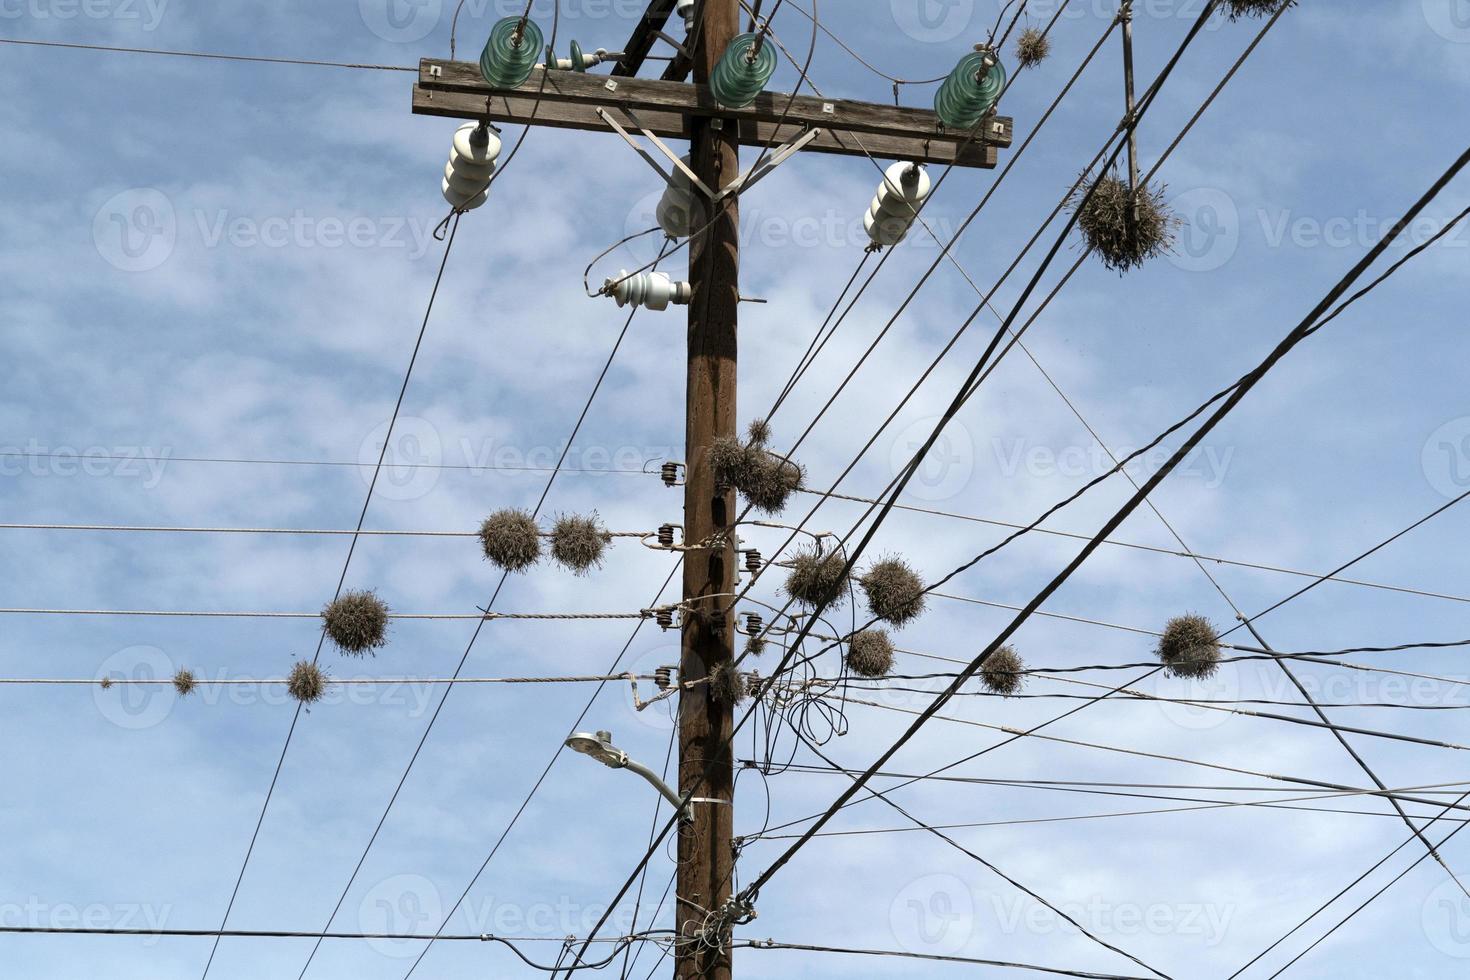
(570, 100)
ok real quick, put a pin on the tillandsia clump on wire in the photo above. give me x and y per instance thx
(1190, 647)
(1002, 671)
(1123, 228)
(816, 580)
(727, 684)
(894, 591)
(578, 543)
(306, 682)
(1032, 47)
(1255, 8)
(184, 682)
(357, 622)
(764, 478)
(870, 653)
(511, 539)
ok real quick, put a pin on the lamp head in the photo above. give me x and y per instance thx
(599, 746)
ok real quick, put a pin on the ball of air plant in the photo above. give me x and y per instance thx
(755, 645)
(728, 461)
(894, 591)
(759, 432)
(870, 653)
(306, 682)
(106, 683)
(184, 682)
(727, 684)
(816, 580)
(1255, 8)
(578, 543)
(769, 480)
(1032, 47)
(1001, 673)
(1190, 647)
(511, 539)
(357, 622)
(1124, 229)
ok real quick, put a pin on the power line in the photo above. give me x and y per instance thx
(341, 580)
(770, 944)
(212, 56)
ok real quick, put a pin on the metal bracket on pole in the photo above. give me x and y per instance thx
(648, 157)
(752, 176)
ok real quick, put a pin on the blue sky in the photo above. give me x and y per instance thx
(263, 305)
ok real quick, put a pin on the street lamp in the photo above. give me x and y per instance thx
(599, 746)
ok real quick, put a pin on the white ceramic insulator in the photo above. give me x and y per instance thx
(678, 209)
(461, 202)
(676, 212)
(685, 9)
(891, 214)
(655, 290)
(486, 149)
(471, 165)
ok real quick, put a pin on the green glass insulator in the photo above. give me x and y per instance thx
(970, 91)
(511, 53)
(739, 77)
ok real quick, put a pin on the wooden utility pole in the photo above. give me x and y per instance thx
(670, 108)
(706, 769)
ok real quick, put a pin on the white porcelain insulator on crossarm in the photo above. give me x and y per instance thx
(905, 188)
(471, 165)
